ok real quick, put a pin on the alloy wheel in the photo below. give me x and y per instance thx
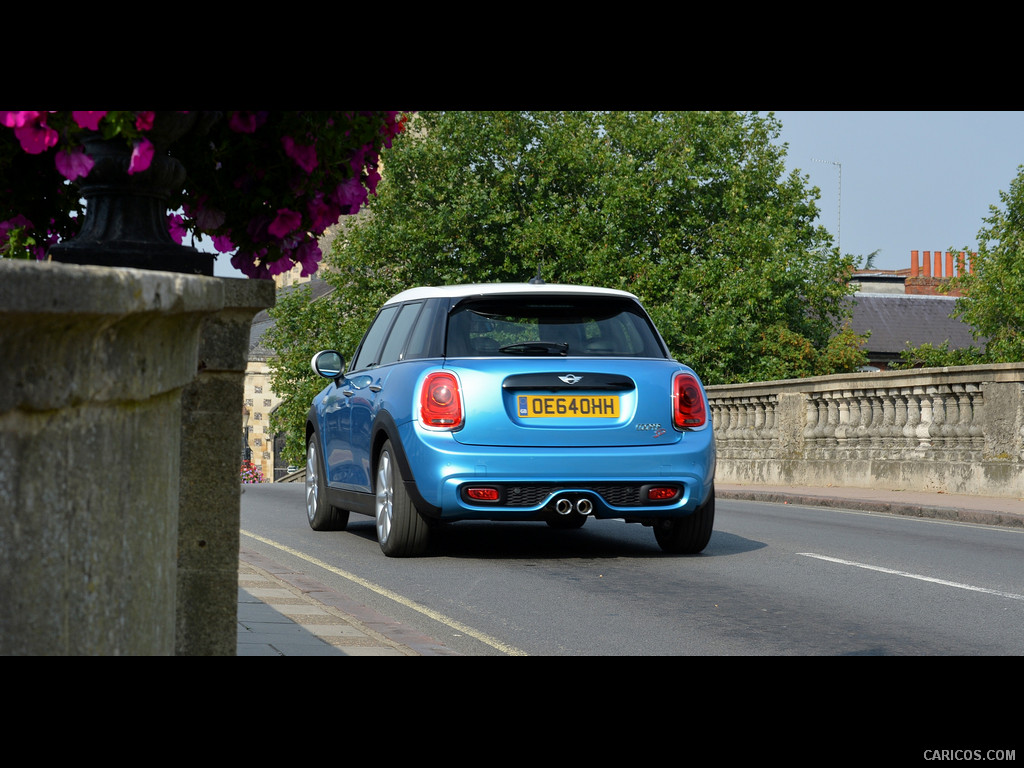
(312, 481)
(384, 506)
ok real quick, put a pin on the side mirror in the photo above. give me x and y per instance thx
(328, 364)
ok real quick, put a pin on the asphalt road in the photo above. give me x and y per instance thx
(776, 580)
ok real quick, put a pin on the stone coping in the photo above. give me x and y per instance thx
(918, 377)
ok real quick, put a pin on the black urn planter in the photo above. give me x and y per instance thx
(125, 222)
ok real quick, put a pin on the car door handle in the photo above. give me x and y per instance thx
(375, 387)
(347, 392)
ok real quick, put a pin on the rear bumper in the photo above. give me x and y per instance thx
(533, 480)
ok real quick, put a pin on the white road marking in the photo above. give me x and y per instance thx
(917, 576)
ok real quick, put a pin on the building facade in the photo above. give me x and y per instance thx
(906, 308)
(259, 444)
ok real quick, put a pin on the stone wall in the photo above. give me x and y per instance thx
(94, 363)
(120, 412)
(952, 430)
(209, 509)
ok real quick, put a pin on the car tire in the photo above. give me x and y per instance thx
(401, 530)
(687, 535)
(321, 515)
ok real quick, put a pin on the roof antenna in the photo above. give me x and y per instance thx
(537, 279)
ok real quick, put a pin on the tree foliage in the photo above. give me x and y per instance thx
(991, 303)
(302, 327)
(692, 211)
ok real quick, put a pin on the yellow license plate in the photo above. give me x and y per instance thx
(568, 406)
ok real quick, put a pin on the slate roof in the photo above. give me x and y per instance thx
(898, 320)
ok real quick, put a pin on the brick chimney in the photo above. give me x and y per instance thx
(922, 282)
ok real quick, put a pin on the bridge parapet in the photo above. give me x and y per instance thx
(951, 430)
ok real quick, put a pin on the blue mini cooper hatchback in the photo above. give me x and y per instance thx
(510, 402)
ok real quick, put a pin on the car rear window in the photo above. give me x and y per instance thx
(604, 326)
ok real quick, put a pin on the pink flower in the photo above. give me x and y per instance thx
(247, 266)
(242, 224)
(279, 266)
(287, 221)
(257, 227)
(304, 156)
(359, 159)
(308, 255)
(208, 217)
(372, 179)
(142, 156)
(88, 120)
(223, 244)
(176, 226)
(16, 119)
(18, 220)
(246, 122)
(34, 134)
(394, 125)
(350, 194)
(321, 214)
(74, 163)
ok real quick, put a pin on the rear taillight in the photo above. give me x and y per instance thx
(662, 492)
(688, 411)
(483, 493)
(440, 402)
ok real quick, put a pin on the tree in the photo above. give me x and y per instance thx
(693, 212)
(991, 302)
(302, 327)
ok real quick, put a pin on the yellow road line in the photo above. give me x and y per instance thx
(440, 618)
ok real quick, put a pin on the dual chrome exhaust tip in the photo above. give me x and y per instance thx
(564, 506)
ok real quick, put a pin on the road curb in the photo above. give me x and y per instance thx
(909, 509)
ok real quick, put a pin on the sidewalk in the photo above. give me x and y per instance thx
(285, 613)
(984, 510)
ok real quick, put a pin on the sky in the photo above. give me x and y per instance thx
(895, 182)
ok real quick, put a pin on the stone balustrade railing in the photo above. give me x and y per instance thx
(953, 430)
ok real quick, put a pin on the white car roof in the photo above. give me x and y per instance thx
(495, 289)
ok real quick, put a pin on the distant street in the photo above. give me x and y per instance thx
(776, 580)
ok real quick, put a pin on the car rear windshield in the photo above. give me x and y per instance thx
(530, 325)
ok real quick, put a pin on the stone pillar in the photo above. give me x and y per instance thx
(791, 423)
(208, 527)
(1003, 425)
(93, 361)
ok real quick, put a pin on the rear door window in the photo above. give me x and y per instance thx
(370, 348)
(399, 335)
